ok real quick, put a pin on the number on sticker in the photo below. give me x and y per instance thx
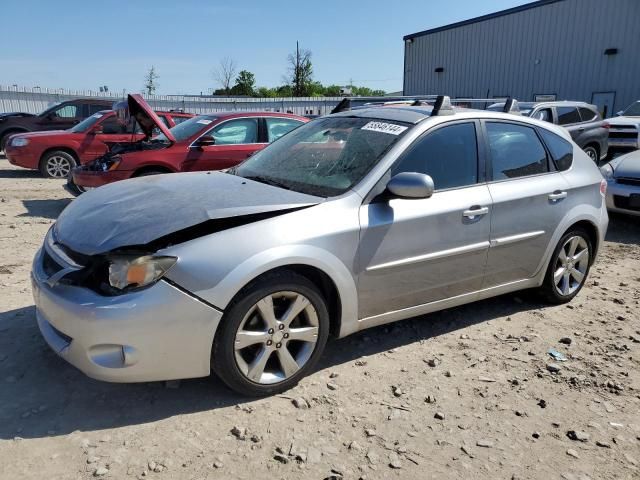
(383, 127)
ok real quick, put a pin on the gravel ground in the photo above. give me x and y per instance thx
(470, 391)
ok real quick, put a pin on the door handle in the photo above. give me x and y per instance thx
(475, 211)
(557, 195)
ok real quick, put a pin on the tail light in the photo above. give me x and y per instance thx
(603, 187)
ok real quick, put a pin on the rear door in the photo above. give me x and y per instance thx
(528, 196)
(235, 140)
(417, 251)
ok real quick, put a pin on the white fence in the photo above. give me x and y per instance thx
(35, 100)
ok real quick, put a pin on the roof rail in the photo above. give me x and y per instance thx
(511, 106)
(442, 106)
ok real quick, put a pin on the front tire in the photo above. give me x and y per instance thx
(272, 335)
(57, 164)
(569, 267)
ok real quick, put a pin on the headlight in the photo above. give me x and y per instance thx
(129, 272)
(607, 171)
(19, 142)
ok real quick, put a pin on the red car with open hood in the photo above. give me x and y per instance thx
(55, 153)
(208, 142)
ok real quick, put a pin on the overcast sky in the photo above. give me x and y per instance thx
(83, 44)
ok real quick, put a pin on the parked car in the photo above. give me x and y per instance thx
(582, 120)
(56, 153)
(58, 117)
(207, 142)
(625, 128)
(623, 175)
(353, 220)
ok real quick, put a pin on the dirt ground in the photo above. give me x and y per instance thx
(464, 392)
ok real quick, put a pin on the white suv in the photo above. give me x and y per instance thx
(625, 128)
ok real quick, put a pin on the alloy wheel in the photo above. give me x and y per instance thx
(276, 337)
(58, 166)
(593, 155)
(571, 265)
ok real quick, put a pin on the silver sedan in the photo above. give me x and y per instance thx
(623, 175)
(351, 221)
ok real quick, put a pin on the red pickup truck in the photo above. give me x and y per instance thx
(55, 153)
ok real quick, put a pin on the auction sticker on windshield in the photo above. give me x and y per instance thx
(383, 127)
(204, 122)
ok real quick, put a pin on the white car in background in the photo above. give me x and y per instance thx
(623, 176)
(625, 128)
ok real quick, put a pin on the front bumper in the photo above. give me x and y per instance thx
(160, 333)
(92, 179)
(618, 198)
(22, 157)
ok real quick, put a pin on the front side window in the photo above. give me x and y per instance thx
(325, 157)
(236, 132)
(68, 111)
(113, 126)
(561, 150)
(277, 127)
(516, 151)
(568, 115)
(449, 155)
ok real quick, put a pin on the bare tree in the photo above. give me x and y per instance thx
(300, 72)
(150, 81)
(226, 73)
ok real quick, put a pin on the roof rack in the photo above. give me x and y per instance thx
(442, 104)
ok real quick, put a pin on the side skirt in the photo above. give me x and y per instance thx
(458, 300)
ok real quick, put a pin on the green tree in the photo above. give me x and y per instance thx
(265, 92)
(245, 84)
(150, 81)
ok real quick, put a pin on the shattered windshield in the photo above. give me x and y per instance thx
(325, 157)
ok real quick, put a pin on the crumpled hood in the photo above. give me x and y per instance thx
(627, 166)
(138, 211)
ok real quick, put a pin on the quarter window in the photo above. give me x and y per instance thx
(568, 115)
(235, 132)
(587, 114)
(516, 151)
(544, 114)
(449, 155)
(561, 150)
(277, 127)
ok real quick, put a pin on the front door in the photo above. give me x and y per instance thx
(110, 130)
(528, 202)
(416, 251)
(605, 102)
(235, 140)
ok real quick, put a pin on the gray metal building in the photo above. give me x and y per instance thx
(585, 50)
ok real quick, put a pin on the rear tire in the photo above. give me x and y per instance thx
(57, 164)
(569, 267)
(271, 335)
(593, 154)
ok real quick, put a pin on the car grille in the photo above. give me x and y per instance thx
(623, 132)
(49, 265)
(629, 181)
(624, 203)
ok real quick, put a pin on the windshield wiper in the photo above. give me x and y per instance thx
(268, 181)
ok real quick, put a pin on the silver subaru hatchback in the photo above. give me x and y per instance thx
(353, 220)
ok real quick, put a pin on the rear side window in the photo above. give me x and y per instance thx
(561, 150)
(587, 114)
(449, 155)
(568, 115)
(277, 127)
(516, 151)
(96, 108)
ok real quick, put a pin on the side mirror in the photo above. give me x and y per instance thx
(411, 185)
(206, 141)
